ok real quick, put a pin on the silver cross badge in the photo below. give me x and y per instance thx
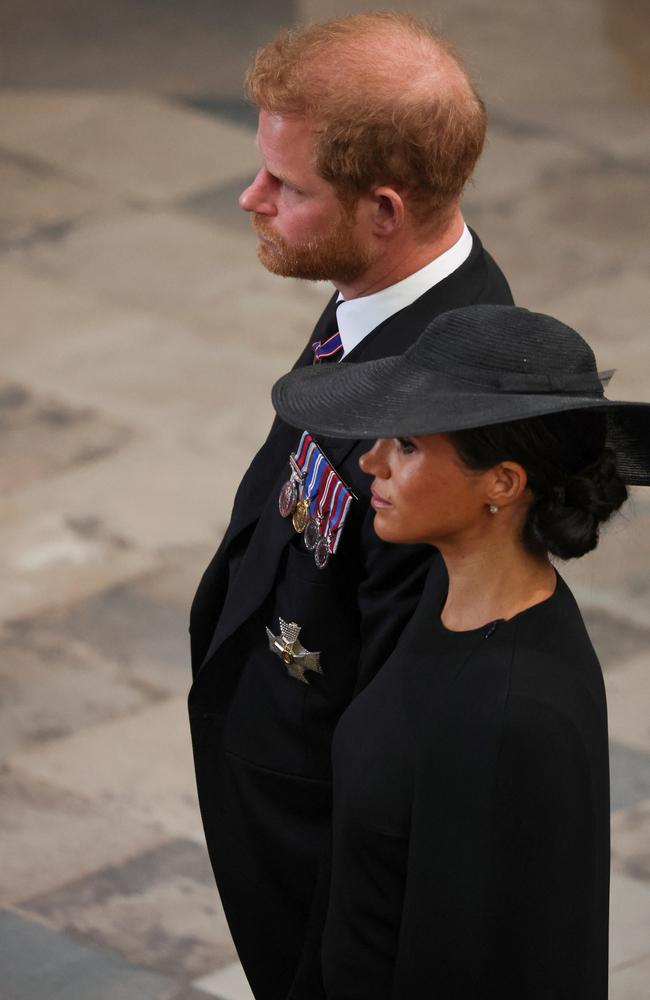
(295, 657)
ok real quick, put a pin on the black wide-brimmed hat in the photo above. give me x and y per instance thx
(471, 367)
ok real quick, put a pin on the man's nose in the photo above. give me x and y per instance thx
(257, 196)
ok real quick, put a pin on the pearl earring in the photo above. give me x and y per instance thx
(493, 508)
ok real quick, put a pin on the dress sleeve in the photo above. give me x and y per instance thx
(510, 899)
(390, 588)
(392, 578)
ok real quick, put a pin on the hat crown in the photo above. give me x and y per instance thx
(506, 347)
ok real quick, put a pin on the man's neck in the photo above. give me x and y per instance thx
(403, 260)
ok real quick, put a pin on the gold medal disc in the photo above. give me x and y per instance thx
(301, 516)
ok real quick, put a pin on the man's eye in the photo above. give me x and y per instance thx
(406, 446)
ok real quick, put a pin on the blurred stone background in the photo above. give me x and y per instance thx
(139, 339)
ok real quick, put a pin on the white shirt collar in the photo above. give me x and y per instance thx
(358, 317)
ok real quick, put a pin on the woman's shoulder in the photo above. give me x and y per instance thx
(553, 658)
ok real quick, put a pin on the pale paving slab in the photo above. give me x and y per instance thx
(227, 984)
(48, 558)
(540, 260)
(612, 315)
(629, 775)
(629, 920)
(615, 575)
(510, 46)
(161, 261)
(150, 374)
(47, 311)
(631, 842)
(182, 499)
(141, 764)
(631, 982)
(50, 836)
(129, 635)
(35, 196)
(130, 144)
(628, 703)
(137, 364)
(617, 638)
(159, 910)
(513, 165)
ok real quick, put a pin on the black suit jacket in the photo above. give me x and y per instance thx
(262, 739)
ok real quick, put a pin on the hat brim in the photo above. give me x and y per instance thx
(391, 397)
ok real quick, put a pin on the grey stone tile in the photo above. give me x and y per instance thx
(197, 46)
(37, 962)
(629, 776)
(615, 639)
(159, 910)
(234, 109)
(42, 435)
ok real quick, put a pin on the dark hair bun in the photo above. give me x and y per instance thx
(566, 520)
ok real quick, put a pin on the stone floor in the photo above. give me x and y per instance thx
(133, 392)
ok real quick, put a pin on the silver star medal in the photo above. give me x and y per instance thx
(295, 657)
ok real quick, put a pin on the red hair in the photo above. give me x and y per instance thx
(390, 101)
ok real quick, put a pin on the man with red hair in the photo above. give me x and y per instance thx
(368, 130)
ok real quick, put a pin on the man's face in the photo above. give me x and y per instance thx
(304, 230)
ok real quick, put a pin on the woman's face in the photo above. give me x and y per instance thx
(422, 492)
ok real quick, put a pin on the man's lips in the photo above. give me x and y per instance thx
(379, 502)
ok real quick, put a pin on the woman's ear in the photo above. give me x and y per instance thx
(507, 483)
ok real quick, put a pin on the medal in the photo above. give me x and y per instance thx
(288, 497)
(322, 553)
(293, 654)
(316, 499)
(289, 493)
(312, 533)
(301, 516)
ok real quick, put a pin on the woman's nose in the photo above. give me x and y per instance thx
(373, 462)
(257, 196)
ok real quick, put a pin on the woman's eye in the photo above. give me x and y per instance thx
(406, 446)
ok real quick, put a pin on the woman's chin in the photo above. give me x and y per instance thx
(391, 532)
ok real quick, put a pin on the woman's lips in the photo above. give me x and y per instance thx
(379, 502)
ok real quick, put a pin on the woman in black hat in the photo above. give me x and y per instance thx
(471, 797)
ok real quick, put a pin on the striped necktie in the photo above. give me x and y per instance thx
(324, 350)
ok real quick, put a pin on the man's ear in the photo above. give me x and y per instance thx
(389, 211)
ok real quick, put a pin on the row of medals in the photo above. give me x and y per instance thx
(291, 502)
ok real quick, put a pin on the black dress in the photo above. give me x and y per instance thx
(471, 815)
